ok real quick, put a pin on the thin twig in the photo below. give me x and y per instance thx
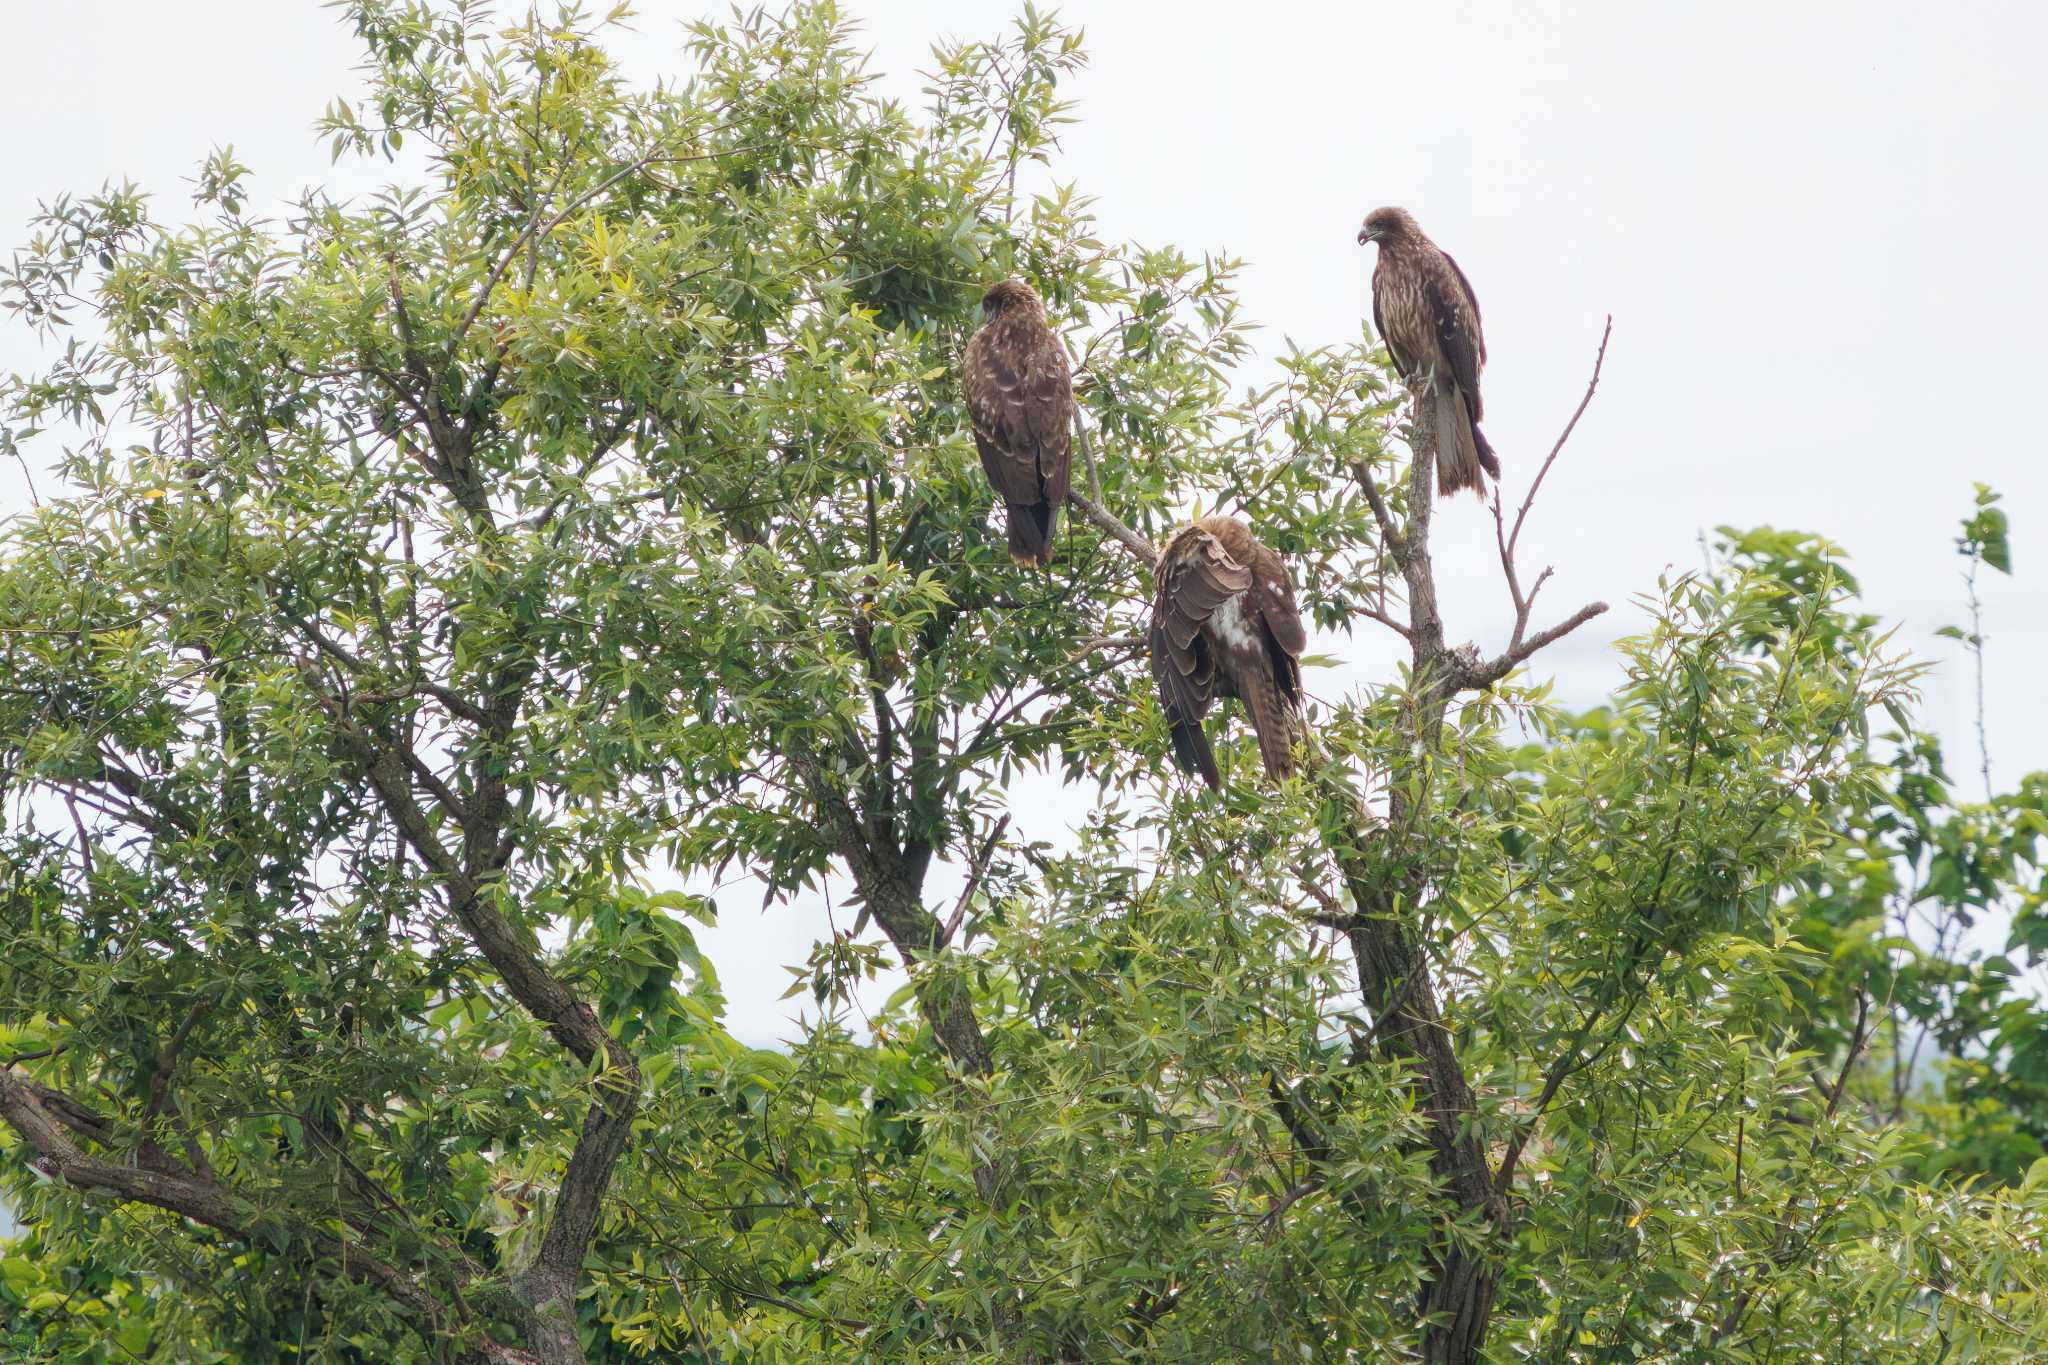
(988, 848)
(1088, 644)
(1088, 459)
(1977, 653)
(1599, 359)
(84, 839)
(1333, 915)
(1375, 614)
(1507, 541)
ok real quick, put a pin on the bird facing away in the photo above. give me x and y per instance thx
(1427, 314)
(1224, 623)
(1021, 401)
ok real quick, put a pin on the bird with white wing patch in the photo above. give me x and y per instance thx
(1224, 623)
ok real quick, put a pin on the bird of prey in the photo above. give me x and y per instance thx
(1021, 401)
(1224, 623)
(1426, 312)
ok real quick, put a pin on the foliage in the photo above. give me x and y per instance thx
(443, 581)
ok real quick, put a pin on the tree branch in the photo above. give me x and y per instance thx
(1470, 675)
(988, 848)
(1390, 533)
(1088, 458)
(1507, 541)
(41, 1117)
(1106, 522)
(548, 1286)
(1599, 359)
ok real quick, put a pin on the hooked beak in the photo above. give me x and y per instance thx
(1366, 234)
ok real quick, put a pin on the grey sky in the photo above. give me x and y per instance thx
(1817, 227)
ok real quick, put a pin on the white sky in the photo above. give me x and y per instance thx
(1818, 228)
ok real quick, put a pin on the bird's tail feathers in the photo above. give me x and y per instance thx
(1191, 749)
(1273, 720)
(1031, 532)
(1459, 463)
(1488, 461)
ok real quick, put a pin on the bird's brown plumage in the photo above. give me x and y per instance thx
(1427, 314)
(1021, 401)
(1224, 623)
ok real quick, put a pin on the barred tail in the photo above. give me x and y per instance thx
(1273, 719)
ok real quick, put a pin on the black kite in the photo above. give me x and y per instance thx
(1021, 401)
(1224, 623)
(1427, 314)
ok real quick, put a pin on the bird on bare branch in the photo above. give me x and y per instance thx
(1426, 312)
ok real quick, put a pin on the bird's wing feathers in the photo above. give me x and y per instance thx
(1274, 599)
(1051, 414)
(1282, 617)
(1457, 332)
(995, 386)
(1019, 396)
(1471, 301)
(1196, 580)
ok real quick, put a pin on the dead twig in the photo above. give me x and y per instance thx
(1508, 540)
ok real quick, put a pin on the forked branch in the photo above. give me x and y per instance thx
(1508, 540)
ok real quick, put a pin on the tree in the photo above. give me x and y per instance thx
(450, 587)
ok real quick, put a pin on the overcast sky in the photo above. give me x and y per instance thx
(1818, 227)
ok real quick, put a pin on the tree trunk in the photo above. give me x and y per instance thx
(1393, 969)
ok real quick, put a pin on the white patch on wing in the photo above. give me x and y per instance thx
(1233, 626)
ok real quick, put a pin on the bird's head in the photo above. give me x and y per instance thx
(1009, 296)
(1227, 531)
(1388, 224)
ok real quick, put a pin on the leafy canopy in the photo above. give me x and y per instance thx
(451, 590)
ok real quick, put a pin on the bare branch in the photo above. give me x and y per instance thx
(1089, 644)
(1507, 540)
(1332, 915)
(1107, 523)
(1390, 534)
(1599, 359)
(1088, 458)
(1474, 676)
(1375, 614)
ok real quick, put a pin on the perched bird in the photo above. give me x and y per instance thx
(1224, 623)
(1426, 312)
(1021, 401)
